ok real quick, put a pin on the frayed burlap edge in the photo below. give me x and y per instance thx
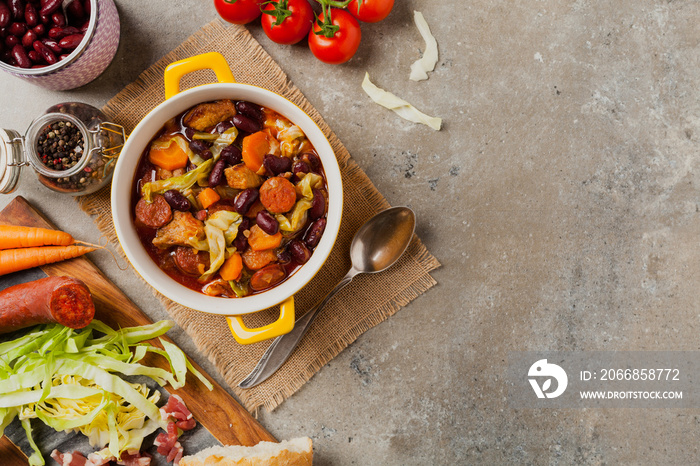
(97, 205)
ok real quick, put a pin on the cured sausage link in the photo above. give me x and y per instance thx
(62, 300)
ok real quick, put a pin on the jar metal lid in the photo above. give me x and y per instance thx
(11, 160)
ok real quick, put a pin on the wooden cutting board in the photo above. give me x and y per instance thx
(215, 410)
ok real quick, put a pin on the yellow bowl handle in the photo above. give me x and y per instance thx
(206, 61)
(283, 325)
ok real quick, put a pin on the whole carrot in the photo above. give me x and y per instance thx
(12, 260)
(13, 236)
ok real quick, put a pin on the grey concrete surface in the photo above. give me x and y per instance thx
(561, 197)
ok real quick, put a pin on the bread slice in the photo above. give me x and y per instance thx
(295, 452)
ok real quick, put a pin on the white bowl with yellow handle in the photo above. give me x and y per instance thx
(175, 103)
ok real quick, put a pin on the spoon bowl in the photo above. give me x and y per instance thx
(380, 242)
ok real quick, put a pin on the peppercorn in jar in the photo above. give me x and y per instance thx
(72, 148)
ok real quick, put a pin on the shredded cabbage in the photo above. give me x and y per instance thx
(223, 140)
(399, 106)
(72, 380)
(427, 62)
(294, 220)
(181, 183)
(221, 229)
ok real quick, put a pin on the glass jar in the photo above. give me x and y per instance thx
(72, 149)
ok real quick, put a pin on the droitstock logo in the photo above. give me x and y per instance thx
(544, 371)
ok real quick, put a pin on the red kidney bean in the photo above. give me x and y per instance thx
(5, 15)
(58, 19)
(87, 6)
(216, 177)
(11, 41)
(250, 110)
(284, 256)
(277, 165)
(232, 155)
(6, 56)
(84, 27)
(313, 234)
(267, 222)
(71, 42)
(300, 167)
(30, 15)
(38, 66)
(52, 45)
(20, 56)
(241, 240)
(318, 205)
(245, 200)
(223, 126)
(75, 8)
(34, 56)
(17, 29)
(189, 133)
(49, 6)
(312, 159)
(63, 56)
(56, 33)
(45, 19)
(198, 146)
(45, 52)
(40, 29)
(17, 8)
(299, 251)
(29, 38)
(246, 124)
(177, 201)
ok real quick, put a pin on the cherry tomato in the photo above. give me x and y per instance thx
(294, 25)
(340, 47)
(371, 11)
(238, 11)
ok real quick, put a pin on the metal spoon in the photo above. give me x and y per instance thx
(377, 245)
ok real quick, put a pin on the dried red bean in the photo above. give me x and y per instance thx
(5, 15)
(17, 9)
(313, 234)
(38, 66)
(71, 42)
(45, 19)
(52, 45)
(267, 222)
(84, 27)
(63, 56)
(318, 205)
(87, 6)
(29, 38)
(34, 56)
(17, 29)
(45, 52)
(20, 56)
(49, 6)
(216, 177)
(245, 200)
(11, 41)
(75, 8)
(30, 15)
(40, 29)
(56, 33)
(58, 19)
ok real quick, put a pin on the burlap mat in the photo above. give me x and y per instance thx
(366, 302)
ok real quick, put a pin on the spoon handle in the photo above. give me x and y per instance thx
(283, 346)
